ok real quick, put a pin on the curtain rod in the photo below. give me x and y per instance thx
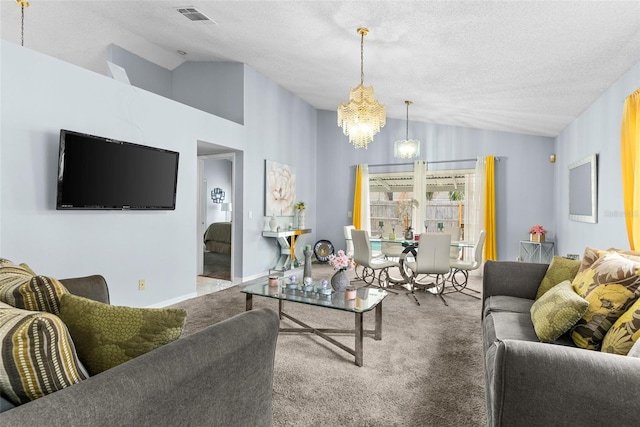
(411, 163)
(433, 162)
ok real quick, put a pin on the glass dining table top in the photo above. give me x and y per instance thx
(366, 298)
(376, 242)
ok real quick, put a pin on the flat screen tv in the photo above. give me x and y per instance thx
(102, 173)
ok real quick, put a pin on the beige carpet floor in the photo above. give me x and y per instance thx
(426, 370)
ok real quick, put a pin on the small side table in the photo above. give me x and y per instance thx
(287, 241)
(538, 252)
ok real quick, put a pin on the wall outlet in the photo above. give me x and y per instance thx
(141, 284)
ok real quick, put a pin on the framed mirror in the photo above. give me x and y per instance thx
(583, 189)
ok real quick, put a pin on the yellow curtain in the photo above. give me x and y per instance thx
(357, 200)
(629, 140)
(490, 247)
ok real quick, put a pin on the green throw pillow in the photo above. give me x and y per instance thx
(557, 311)
(559, 270)
(38, 356)
(107, 335)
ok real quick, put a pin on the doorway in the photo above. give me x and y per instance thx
(215, 214)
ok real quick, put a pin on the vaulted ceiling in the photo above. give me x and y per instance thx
(520, 66)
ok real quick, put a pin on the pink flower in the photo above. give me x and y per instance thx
(537, 229)
(341, 261)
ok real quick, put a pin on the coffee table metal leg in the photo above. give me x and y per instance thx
(280, 307)
(359, 334)
(378, 332)
(249, 303)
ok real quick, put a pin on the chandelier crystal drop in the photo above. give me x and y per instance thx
(362, 117)
(406, 148)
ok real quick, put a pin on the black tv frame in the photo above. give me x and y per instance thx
(61, 166)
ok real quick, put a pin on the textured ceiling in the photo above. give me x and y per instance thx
(520, 66)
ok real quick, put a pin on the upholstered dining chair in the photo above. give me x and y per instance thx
(362, 256)
(463, 267)
(432, 258)
(454, 251)
(348, 240)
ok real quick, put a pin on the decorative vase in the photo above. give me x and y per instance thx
(273, 223)
(339, 281)
(536, 237)
(301, 219)
(307, 262)
(408, 235)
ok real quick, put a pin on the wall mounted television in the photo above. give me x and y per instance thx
(583, 189)
(101, 173)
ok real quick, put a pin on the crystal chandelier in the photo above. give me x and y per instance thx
(363, 116)
(406, 148)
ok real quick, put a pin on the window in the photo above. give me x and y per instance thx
(391, 198)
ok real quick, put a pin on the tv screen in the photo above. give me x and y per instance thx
(101, 173)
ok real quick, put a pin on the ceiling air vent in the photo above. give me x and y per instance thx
(194, 14)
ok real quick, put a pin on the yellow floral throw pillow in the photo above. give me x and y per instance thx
(557, 311)
(624, 333)
(610, 285)
(559, 270)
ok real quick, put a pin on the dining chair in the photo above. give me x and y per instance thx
(431, 258)
(464, 267)
(392, 250)
(454, 251)
(362, 255)
(349, 244)
(347, 237)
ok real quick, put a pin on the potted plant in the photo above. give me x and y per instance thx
(536, 234)
(341, 263)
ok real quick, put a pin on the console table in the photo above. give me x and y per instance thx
(287, 242)
(538, 252)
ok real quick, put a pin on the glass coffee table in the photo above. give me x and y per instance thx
(367, 299)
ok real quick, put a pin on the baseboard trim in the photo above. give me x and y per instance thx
(172, 301)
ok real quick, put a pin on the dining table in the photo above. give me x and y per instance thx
(409, 253)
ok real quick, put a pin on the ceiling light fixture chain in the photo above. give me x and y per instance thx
(406, 148)
(408, 103)
(363, 32)
(362, 117)
(22, 4)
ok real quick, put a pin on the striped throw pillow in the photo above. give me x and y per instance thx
(38, 355)
(21, 289)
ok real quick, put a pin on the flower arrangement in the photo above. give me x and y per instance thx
(300, 206)
(537, 229)
(341, 262)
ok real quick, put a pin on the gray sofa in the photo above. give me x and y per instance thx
(220, 376)
(529, 383)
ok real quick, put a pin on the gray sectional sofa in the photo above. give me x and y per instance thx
(529, 383)
(220, 376)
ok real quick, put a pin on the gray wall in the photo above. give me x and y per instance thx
(161, 246)
(524, 176)
(127, 246)
(142, 73)
(214, 87)
(596, 130)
